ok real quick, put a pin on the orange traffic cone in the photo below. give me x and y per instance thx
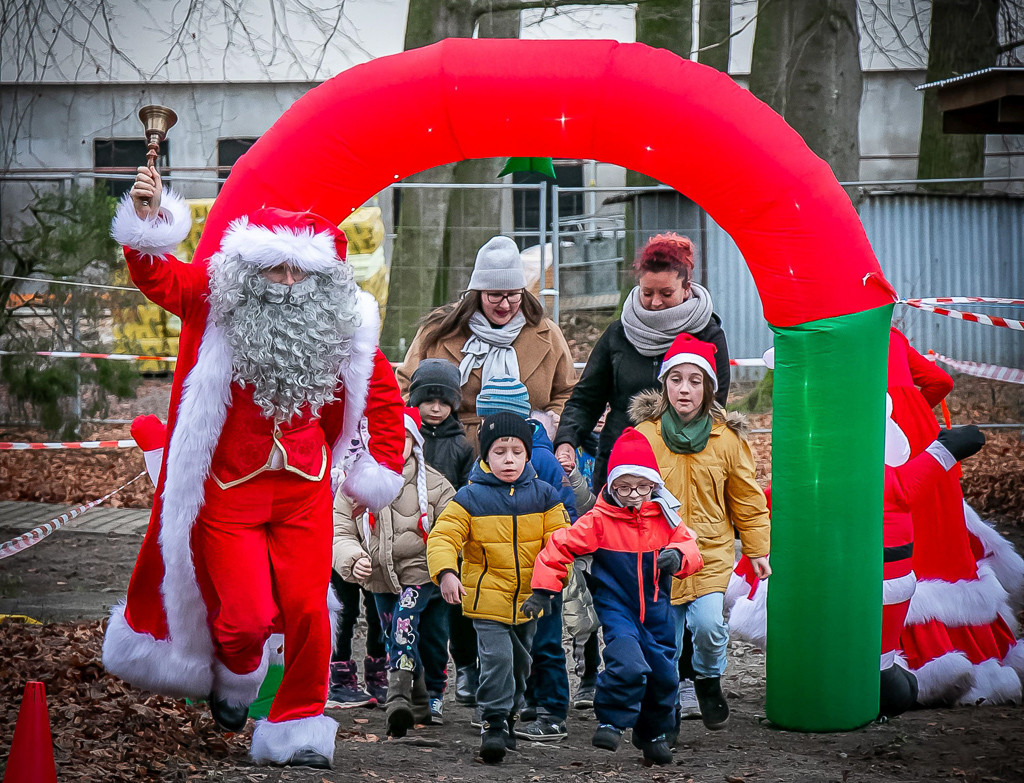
(31, 756)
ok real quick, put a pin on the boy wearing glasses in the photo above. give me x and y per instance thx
(638, 544)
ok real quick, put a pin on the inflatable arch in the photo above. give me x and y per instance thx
(693, 128)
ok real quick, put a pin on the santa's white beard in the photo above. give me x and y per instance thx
(288, 344)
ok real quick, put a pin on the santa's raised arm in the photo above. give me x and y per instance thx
(280, 390)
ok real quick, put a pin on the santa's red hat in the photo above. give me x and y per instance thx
(271, 236)
(413, 422)
(632, 455)
(687, 349)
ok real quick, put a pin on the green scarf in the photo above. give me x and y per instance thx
(685, 437)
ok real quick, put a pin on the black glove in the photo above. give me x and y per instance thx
(538, 604)
(670, 560)
(963, 442)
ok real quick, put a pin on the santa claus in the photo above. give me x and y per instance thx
(280, 391)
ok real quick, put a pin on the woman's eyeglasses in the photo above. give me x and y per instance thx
(641, 492)
(497, 297)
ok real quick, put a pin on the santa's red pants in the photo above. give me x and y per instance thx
(263, 548)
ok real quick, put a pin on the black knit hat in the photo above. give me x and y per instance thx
(505, 425)
(436, 379)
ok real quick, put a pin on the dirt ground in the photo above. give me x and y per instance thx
(107, 731)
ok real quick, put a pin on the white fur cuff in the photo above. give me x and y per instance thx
(240, 690)
(158, 236)
(276, 743)
(370, 483)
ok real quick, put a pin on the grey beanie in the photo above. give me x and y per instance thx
(436, 379)
(498, 267)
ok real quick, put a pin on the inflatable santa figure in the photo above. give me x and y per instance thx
(957, 640)
(279, 392)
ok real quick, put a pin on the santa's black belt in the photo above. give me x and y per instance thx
(894, 553)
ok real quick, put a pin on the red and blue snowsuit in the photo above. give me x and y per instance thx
(637, 688)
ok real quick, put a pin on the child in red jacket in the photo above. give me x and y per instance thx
(638, 544)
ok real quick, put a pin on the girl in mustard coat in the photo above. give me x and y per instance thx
(706, 463)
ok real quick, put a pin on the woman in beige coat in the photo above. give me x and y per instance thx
(496, 329)
(386, 553)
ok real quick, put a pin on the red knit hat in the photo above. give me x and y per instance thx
(413, 422)
(632, 455)
(271, 236)
(687, 349)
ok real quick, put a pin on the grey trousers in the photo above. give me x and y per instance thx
(504, 653)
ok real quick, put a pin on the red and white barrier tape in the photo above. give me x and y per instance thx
(982, 370)
(82, 444)
(121, 357)
(936, 300)
(978, 318)
(37, 534)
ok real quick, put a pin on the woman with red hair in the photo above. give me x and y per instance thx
(625, 361)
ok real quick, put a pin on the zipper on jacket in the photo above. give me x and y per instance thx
(480, 581)
(515, 554)
(640, 583)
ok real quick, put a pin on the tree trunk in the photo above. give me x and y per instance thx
(713, 27)
(964, 38)
(474, 216)
(666, 24)
(806, 66)
(418, 253)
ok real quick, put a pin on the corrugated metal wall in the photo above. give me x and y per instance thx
(927, 246)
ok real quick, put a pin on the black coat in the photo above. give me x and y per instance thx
(614, 373)
(447, 450)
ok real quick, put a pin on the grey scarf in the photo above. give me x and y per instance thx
(651, 332)
(491, 348)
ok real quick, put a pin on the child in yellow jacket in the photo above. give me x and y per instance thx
(500, 522)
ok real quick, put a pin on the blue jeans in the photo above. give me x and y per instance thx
(548, 686)
(415, 626)
(705, 618)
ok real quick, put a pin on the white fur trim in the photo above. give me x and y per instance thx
(159, 236)
(275, 743)
(966, 602)
(156, 665)
(240, 690)
(275, 646)
(355, 377)
(154, 459)
(333, 613)
(642, 471)
(993, 684)
(263, 247)
(943, 681)
(688, 358)
(1014, 658)
(370, 483)
(898, 590)
(887, 659)
(1000, 556)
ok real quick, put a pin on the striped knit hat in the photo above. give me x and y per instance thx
(503, 393)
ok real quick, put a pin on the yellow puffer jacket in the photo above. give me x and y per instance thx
(718, 492)
(500, 529)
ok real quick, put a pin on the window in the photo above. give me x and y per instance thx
(123, 156)
(228, 153)
(526, 203)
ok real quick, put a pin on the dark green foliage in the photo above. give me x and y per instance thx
(759, 400)
(64, 234)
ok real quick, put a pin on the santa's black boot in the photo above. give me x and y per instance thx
(714, 710)
(229, 718)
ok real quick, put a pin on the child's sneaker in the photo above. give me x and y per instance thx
(657, 751)
(493, 741)
(607, 737)
(436, 711)
(584, 697)
(543, 730)
(344, 691)
(689, 707)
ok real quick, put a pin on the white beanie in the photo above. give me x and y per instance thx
(498, 267)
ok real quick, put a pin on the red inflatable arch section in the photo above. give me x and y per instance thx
(646, 109)
(693, 128)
